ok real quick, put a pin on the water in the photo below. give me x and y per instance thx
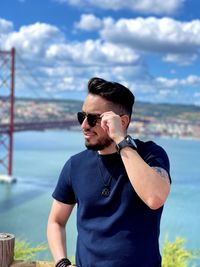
(38, 158)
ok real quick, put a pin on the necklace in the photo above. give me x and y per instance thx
(106, 185)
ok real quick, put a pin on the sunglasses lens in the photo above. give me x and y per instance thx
(92, 120)
(81, 116)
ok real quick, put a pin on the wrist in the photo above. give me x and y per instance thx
(63, 262)
(118, 139)
(127, 141)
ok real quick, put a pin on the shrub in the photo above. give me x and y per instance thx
(174, 254)
(23, 250)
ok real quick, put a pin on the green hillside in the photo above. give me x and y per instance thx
(158, 111)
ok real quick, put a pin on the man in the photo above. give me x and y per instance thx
(119, 184)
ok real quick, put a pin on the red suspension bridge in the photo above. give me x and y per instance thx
(8, 125)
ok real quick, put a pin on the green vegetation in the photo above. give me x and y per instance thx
(174, 254)
(167, 111)
(159, 111)
(23, 250)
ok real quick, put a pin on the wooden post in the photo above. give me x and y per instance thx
(7, 243)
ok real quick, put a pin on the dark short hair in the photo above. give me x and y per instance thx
(114, 92)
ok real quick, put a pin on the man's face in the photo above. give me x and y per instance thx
(96, 138)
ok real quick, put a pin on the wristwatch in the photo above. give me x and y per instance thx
(128, 141)
(64, 262)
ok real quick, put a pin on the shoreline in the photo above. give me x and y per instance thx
(136, 135)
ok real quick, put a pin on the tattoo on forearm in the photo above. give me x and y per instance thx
(163, 173)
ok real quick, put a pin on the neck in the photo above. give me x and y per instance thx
(108, 150)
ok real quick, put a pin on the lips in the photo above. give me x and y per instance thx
(88, 134)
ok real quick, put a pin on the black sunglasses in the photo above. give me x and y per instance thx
(92, 118)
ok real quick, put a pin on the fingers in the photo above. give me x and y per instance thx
(112, 124)
(108, 117)
(108, 120)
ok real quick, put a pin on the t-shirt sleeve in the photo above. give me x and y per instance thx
(63, 191)
(155, 156)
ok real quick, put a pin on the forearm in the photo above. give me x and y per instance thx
(56, 235)
(150, 186)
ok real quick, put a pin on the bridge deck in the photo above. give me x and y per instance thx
(30, 126)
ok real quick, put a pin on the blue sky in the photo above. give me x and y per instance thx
(151, 46)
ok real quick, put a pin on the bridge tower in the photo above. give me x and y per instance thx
(7, 82)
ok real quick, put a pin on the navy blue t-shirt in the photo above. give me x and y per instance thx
(118, 230)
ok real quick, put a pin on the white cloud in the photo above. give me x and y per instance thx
(192, 80)
(63, 66)
(33, 39)
(144, 6)
(157, 6)
(178, 41)
(151, 34)
(60, 66)
(92, 53)
(181, 59)
(44, 41)
(89, 22)
(5, 26)
(167, 83)
(196, 98)
(162, 89)
(189, 81)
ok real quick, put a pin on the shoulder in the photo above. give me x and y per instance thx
(82, 155)
(153, 154)
(148, 147)
(74, 159)
(143, 144)
(82, 159)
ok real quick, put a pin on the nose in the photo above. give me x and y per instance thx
(85, 124)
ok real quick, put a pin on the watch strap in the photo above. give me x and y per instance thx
(128, 141)
(63, 263)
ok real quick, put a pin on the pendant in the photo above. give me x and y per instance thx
(105, 192)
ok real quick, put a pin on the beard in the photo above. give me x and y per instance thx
(100, 144)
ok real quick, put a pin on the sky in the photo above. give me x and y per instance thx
(150, 46)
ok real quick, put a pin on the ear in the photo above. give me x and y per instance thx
(125, 121)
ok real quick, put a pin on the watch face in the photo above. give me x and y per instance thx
(131, 141)
(128, 141)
